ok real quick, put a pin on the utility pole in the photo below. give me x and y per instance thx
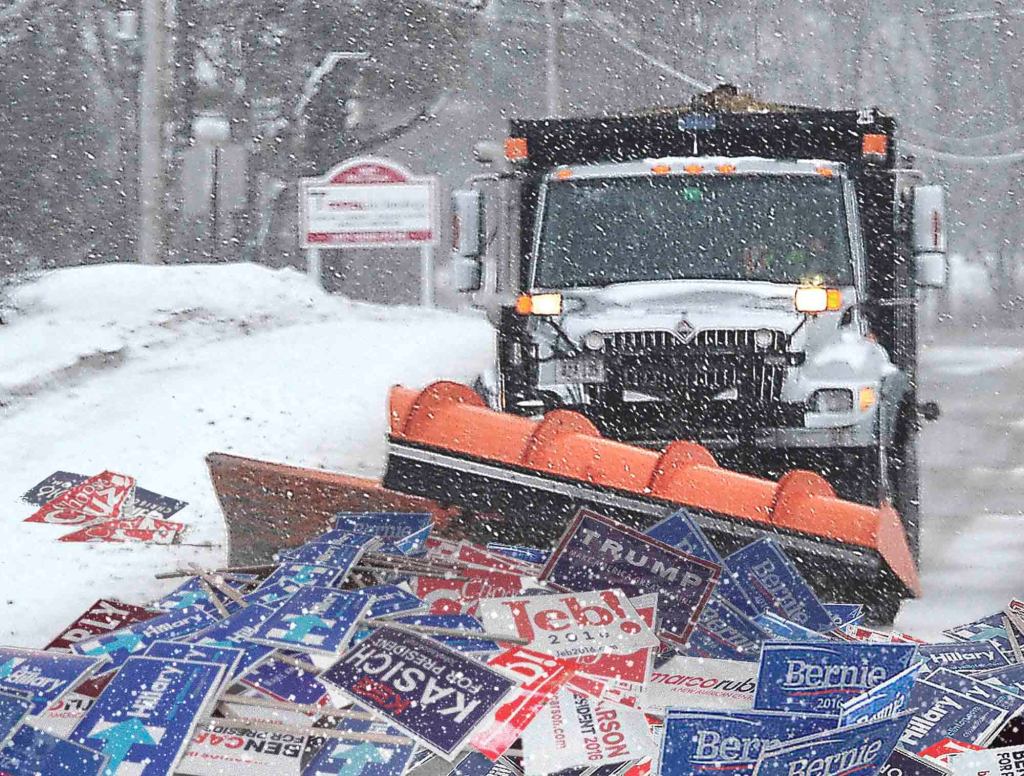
(152, 106)
(555, 12)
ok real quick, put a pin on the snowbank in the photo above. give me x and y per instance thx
(144, 370)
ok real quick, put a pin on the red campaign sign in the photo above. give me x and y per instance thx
(96, 500)
(619, 678)
(150, 530)
(438, 547)
(102, 617)
(946, 748)
(541, 676)
(461, 596)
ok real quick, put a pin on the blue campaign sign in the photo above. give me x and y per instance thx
(390, 599)
(887, 699)
(119, 645)
(973, 688)
(386, 525)
(144, 718)
(780, 628)
(434, 694)
(291, 576)
(963, 655)
(340, 757)
(819, 677)
(597, 548)
(724, 632)
(855, 749)
(229, 657)
(340, 556)
(682, 532)
(845, 614)
(42, 677)
(774, 585)
(514, 551)
(464, 622)
(703, 742)
(285, 682)
(1008, 678)
(938, 713)
(32, 752)
(191, 593)
(316, 619)
(993, 628)
(413, 544)
(475, 764)
(235, 631)
(13, 709)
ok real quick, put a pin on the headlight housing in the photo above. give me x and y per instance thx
(832, 400)
(593, 340)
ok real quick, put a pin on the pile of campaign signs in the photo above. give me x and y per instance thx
(378, 649)
(107, 507)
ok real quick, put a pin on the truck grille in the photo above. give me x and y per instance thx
(715, 360)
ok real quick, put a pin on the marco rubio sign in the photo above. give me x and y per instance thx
(368, 202)
(700, 683)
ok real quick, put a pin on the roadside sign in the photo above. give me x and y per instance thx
(595, 547)
(368, 203)
(440, 707)
(144, 719)
(41, 677)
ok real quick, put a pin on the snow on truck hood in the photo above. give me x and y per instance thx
(706, 304)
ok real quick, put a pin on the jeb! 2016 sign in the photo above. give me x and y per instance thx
(368, 203)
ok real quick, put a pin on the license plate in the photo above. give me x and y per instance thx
(583, 369)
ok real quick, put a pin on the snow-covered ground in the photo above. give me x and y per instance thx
(144, 370)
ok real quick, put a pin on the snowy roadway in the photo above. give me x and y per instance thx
(144, 370)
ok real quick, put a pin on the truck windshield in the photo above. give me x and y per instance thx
(776, 228)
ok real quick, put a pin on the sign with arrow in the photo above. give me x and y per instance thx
(31, 752)
(143, 720)
(340, 757)
(120, 645)
(235, 631)
(102, 617)
(228, 657)
(319, 620)
(41, 677)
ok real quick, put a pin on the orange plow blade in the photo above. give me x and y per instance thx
(525, 478)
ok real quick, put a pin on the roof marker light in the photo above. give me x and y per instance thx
(825, 172)
(874, 145)
(661, 169)
(693, 169)
(726, 168)
(516, 149)
(562, 174)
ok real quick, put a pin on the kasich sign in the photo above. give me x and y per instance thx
(432, 693)
(595, 547)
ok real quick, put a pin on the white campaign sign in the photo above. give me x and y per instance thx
(232, 748)
(368, 202)
(1006, 761)
(700, 683)
(574, 730)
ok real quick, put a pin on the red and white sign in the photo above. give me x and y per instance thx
(461, 596)
(64, 714)
(104, 616)
(96, 500)
(948, 749)
(574, 730)
(570, 625)
(149, 530)
(368, 203)
(541, 676)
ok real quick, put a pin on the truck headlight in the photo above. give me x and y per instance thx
(832, 400)
(593, 340)
(763, 339)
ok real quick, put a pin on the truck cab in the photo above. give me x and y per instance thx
(744, 277)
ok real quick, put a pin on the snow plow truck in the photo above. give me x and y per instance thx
(710, 307)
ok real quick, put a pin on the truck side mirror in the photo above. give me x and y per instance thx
(467, 239)
(930, 236)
